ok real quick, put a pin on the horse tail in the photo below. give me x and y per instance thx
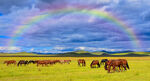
(98, 65)
(127, 65)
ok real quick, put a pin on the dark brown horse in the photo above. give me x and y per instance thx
(81, 62)
(7, 62)
(25, 62)
(94, 63)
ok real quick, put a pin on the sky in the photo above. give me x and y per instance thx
(73, 31)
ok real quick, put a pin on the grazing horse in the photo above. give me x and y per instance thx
(124, 63)
(81, 61)
(103, 61)
(25, 62)
(116, 63)
(42, 62)
(65, 61)
(32, 61)
(10, 62)
(56, 61)
(95, 62)
(112, 63)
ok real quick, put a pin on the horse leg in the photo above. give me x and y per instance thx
(114, 69)
(37, 65)
(121, 68)
(78, 64)
(105, 67)
(46, 65)
(98, 65)
(15, 63)
(109, 67)
(7, 64)
(84, 64)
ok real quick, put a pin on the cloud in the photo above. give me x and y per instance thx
(7, 5)
(75, 30)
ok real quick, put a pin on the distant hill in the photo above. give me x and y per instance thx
(113, 52)
(80, 53)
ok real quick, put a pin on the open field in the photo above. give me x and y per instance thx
(139, 70)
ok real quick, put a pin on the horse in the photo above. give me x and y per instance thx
(10, 62)
(95, 62)
(124, 63)
(25, 62)
(56, 61)
(81, 61)
(65, 61)
(32, 61)
(43, 62)
(103, 61)
(116, 63)
(112, 63)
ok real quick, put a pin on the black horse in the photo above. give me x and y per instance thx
(32, 61)
(103, 61)
(25, 62)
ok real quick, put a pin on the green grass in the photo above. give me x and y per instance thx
(72, 72)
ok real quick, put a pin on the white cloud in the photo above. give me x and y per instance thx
(10, 48)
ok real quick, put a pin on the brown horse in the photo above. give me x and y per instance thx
(95, 62)
(81, 62)
(56, 61)
(10, 62)
(42, 62)
(112, 63)
(65, 61)
(46, 62)
(116, 63)
(124, 63)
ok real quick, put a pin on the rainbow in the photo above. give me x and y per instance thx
(28, 24)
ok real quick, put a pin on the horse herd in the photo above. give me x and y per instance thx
(112, 64)
(38, 62)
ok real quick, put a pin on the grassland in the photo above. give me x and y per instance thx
(140, 70)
